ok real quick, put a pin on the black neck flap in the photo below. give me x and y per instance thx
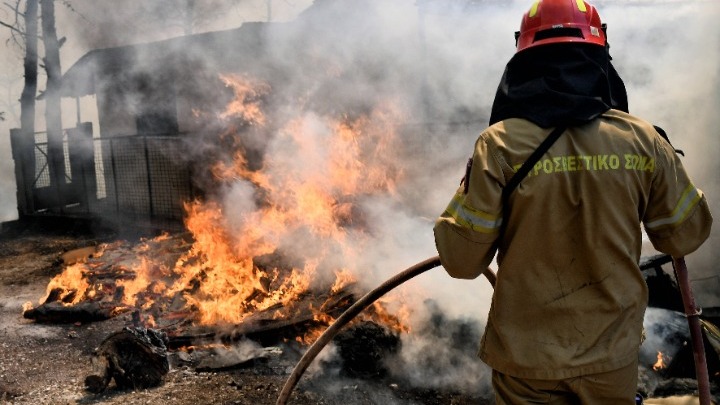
(564, 84)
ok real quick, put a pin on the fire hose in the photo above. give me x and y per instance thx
(352, 312)
(691, 312)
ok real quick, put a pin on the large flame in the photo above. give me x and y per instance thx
(272, 234)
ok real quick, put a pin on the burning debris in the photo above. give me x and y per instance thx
(270, 247)
(83, 312)
(106, 275)
(134, 358)
(100, 290)
(268, 255)
(266, 328)
(364, 348)
(94, 288)
(667, 364)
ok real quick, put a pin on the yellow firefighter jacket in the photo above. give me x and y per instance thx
(570, 297)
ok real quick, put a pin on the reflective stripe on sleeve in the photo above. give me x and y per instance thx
(688, 200)
(476, 220)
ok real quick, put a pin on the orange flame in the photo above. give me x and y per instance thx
(308, 195)
(247, 102)
(71, 282)
(291, 227)
(660, 363)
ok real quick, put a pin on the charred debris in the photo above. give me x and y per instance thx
(141, 354)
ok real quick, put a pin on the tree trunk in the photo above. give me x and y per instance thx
(27, 98)
(56, 153)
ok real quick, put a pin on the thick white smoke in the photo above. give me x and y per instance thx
(667, 55)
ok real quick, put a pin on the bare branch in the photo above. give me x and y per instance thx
(18, 34)
(17, 24)
(15, 8)
(12, 28)
(70, 7)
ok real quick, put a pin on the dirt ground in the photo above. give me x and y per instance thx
(47, 364)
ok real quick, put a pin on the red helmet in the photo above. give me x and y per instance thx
(556, 21)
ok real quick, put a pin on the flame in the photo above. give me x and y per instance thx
(289, 227)
(660, 363)
(247, 102)
(301, 203)
(145, 273)
(392, 312)
(71, 282)
(343, 277)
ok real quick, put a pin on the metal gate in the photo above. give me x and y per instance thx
(136, 178)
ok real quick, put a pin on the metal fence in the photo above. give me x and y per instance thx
(135, 178)
(142, 176)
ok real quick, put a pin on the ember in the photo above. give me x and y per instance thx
(660, 363)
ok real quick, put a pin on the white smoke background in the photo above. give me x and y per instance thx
(9, 77)
(665, 331)
(667, 54)
(666, 51)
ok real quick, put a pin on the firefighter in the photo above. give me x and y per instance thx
(565, 322)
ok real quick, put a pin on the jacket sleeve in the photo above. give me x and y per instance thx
(677, 219)
(466, 232)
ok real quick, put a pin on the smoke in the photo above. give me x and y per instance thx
(666, 333)
(666, 55)
(441, 353)
(8, 210)
(11, 113)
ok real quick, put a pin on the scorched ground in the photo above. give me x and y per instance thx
(48, 363)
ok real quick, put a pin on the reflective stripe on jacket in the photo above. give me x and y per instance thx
(570, 297)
